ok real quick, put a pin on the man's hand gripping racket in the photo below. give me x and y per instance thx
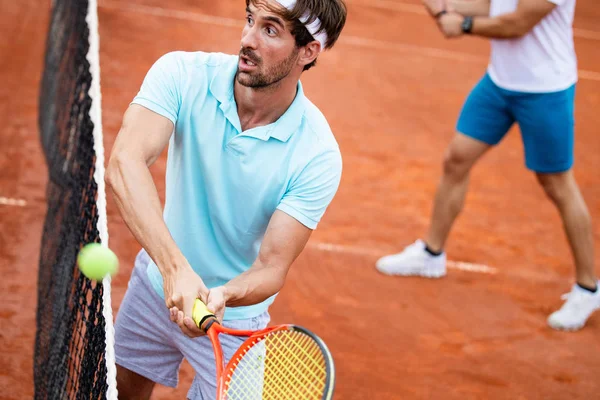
(279, 362)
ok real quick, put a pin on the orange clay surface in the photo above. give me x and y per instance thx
(391, 90)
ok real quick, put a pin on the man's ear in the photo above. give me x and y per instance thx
(309, 53)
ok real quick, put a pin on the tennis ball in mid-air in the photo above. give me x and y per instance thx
(96, 261)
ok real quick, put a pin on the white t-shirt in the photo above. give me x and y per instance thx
(544, 59)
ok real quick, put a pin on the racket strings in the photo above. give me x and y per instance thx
(302, 358)
(285, 365)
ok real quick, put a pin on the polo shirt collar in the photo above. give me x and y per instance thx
(221, 88)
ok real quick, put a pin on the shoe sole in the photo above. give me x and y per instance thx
(424, 274)
(572, 328)
(566, 328)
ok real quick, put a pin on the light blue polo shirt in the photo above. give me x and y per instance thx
(222, 184)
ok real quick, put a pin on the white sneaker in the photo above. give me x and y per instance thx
(579, 305)
(413, 260)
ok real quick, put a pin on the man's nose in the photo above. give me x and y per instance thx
(249, 37)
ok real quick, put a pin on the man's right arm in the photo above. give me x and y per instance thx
(510, 25)
(472, 8)
(464, 7)
(143, 136)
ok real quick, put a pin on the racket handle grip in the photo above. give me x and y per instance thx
(202, 316)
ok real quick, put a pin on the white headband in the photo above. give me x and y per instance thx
(313, 27)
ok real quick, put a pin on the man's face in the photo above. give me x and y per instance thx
(268, 50)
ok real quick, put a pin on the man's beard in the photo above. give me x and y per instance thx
(274, 74)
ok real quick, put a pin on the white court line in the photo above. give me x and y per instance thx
(344, 39)
(363, 251)
(391, 5)
(586, 34)
(172, 13)
(7, 201)
(589, 75)
(412, 48)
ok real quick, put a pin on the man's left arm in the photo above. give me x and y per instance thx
(506, 26)
(289, 229)
(436, 8)
(284, 240)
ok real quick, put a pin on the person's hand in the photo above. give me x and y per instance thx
(451, 24)
(182, 288)
(216, 302)
(434, 7)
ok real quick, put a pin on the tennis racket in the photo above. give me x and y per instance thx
(280, 362)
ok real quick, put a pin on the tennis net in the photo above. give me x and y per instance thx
(74, 357)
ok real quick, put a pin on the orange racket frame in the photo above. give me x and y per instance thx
(207, 321)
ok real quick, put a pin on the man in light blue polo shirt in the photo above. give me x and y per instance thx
(252, 167)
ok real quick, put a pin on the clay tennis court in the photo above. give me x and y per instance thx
(391, 89)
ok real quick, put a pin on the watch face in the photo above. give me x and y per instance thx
(467, 24)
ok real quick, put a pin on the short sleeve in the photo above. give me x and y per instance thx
(161, 91)
(310, 193)
(558, 2)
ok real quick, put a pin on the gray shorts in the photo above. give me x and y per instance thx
(148, 343)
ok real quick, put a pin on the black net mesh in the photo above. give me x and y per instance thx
(69, 348)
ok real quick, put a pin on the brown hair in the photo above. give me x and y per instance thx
(331, 13)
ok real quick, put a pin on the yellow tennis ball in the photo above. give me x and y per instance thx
(96, 261)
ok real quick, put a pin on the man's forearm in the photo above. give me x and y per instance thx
(471, 8)
(283, 241)
(255, 285)
(139, 205)
(505, 26)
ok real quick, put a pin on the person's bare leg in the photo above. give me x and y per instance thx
(414, 260)
(460, 156)
(132, 386)
(564, 192)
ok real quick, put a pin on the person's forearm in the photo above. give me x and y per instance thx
(470, 7)
(255, 285)
(139, 205)
(506, 26)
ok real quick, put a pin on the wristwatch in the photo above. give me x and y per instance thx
(467, 24)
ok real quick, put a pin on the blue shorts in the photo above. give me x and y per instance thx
(546, 121)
